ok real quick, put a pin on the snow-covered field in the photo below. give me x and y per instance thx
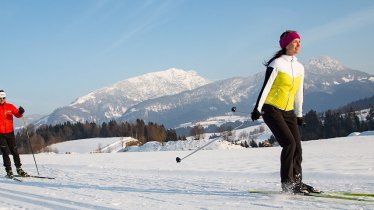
(209, 179)
(92, 145)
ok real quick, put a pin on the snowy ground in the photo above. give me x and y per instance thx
(92, 145)
(209, 179)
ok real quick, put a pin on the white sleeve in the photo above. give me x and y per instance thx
(266, 89)
(299, 98)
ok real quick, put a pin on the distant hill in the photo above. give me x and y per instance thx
(365, 103)
(328, 85)
(112, 102)
(175, 97)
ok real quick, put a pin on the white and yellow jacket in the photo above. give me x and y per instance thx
(283, 85)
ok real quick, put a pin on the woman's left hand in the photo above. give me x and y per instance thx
(300, 121)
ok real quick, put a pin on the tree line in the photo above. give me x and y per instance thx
(329, 124)
(45, 135)
(332, 124)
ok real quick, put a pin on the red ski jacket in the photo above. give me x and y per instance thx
(6, 117)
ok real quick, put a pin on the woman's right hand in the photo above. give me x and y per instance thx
(255, 115)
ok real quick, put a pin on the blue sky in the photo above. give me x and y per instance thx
(52, 52)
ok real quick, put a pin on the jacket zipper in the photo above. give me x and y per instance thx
(3, 112)
(293, 81)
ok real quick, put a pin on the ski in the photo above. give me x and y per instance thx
(34, 176)
(343, 196)
(352, 194)
(336, 195)
(13, 178)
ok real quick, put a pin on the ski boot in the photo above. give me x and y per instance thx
(298, 189)
(309, 188)
(301, 186)
(9, 173)
(22, 172)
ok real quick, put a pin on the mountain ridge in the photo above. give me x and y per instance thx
(112, 101)
(185, 100)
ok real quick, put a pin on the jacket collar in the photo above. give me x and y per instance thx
(289, 58)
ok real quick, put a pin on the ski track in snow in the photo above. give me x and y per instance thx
(210, 179)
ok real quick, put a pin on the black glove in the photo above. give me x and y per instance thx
(21, 110)
(255, 115)
(300, 121)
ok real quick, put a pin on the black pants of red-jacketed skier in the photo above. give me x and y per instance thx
(8, 145)
(283, 125)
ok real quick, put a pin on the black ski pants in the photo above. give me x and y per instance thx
(283, 124)
(8, 144)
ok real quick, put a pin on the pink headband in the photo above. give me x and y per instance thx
(288, 38)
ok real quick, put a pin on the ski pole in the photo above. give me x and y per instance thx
(28, 137)
(178, 159)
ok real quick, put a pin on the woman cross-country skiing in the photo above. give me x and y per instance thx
(280, 104)
(7, 138)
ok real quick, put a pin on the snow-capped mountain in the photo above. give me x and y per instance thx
(324, 72)
(324, 64)
(325, 88)
(113, 101)
(328, 84)
(213, 99)
(174, 97)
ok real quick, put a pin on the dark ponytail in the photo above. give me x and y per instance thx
(280, 52)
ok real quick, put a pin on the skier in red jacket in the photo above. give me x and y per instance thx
(7, 138)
